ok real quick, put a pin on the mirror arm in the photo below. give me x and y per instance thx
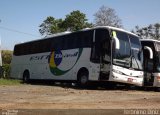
(150, 51)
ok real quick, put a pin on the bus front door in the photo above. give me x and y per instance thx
(105, 60)
(148, 70)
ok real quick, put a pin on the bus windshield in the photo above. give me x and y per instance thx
(158, 57)
(137, 54)
(129, 54)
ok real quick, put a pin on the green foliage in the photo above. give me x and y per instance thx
(73, 22)
(152, 31)
(50, 26)
(6, 56)
(6, 71)
(6, 60)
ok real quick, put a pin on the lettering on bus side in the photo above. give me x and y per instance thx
(33, 58)
(46, 57)
(58, 56)
(71, 55)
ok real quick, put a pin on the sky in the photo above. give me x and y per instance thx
(20, 19)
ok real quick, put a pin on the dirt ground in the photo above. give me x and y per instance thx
(31, 96)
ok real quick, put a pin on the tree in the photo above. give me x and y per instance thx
(6, 60)
(151, 31)
(6, 56)
(73, 22)
(76, 21)
(51, 26)
(106, 16)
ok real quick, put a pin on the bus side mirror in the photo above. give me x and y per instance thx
(150, 51)
(117, 44)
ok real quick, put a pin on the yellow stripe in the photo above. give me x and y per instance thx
(52, 62)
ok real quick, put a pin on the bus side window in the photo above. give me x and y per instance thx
(73, 41)
(18, 50)
(58, 43)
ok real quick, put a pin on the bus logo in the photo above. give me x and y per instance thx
(57, 57)
(62, 62)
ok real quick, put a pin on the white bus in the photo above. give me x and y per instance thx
(96, 54)
(151, 52)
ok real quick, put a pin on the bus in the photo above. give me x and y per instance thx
(94, 54)
(151, 54)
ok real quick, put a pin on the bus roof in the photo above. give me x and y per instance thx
(151, 40)
(85, 29)
(115, 28)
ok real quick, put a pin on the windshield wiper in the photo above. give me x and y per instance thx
(132, 57)
(121, 62)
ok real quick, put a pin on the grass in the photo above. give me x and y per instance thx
(10, 82)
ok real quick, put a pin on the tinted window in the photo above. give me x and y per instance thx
(150, 64)
(158, 46)
(100, 36)
(124, 51)
(74, 40)
(83, 39)
(122, 55)
(137, 54)
(149, 44)
(135, 43)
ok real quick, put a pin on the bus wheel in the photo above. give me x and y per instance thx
(26, 77)
(83, 79)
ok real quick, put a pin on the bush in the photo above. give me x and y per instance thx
(5, 71)
(6, 56)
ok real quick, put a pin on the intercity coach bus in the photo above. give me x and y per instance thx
(93, 54)
(151, 52)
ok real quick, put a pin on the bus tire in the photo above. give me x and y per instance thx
(83, 78)
(26, 76)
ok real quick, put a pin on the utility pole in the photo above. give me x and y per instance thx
(0, 53)
(1, 70)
